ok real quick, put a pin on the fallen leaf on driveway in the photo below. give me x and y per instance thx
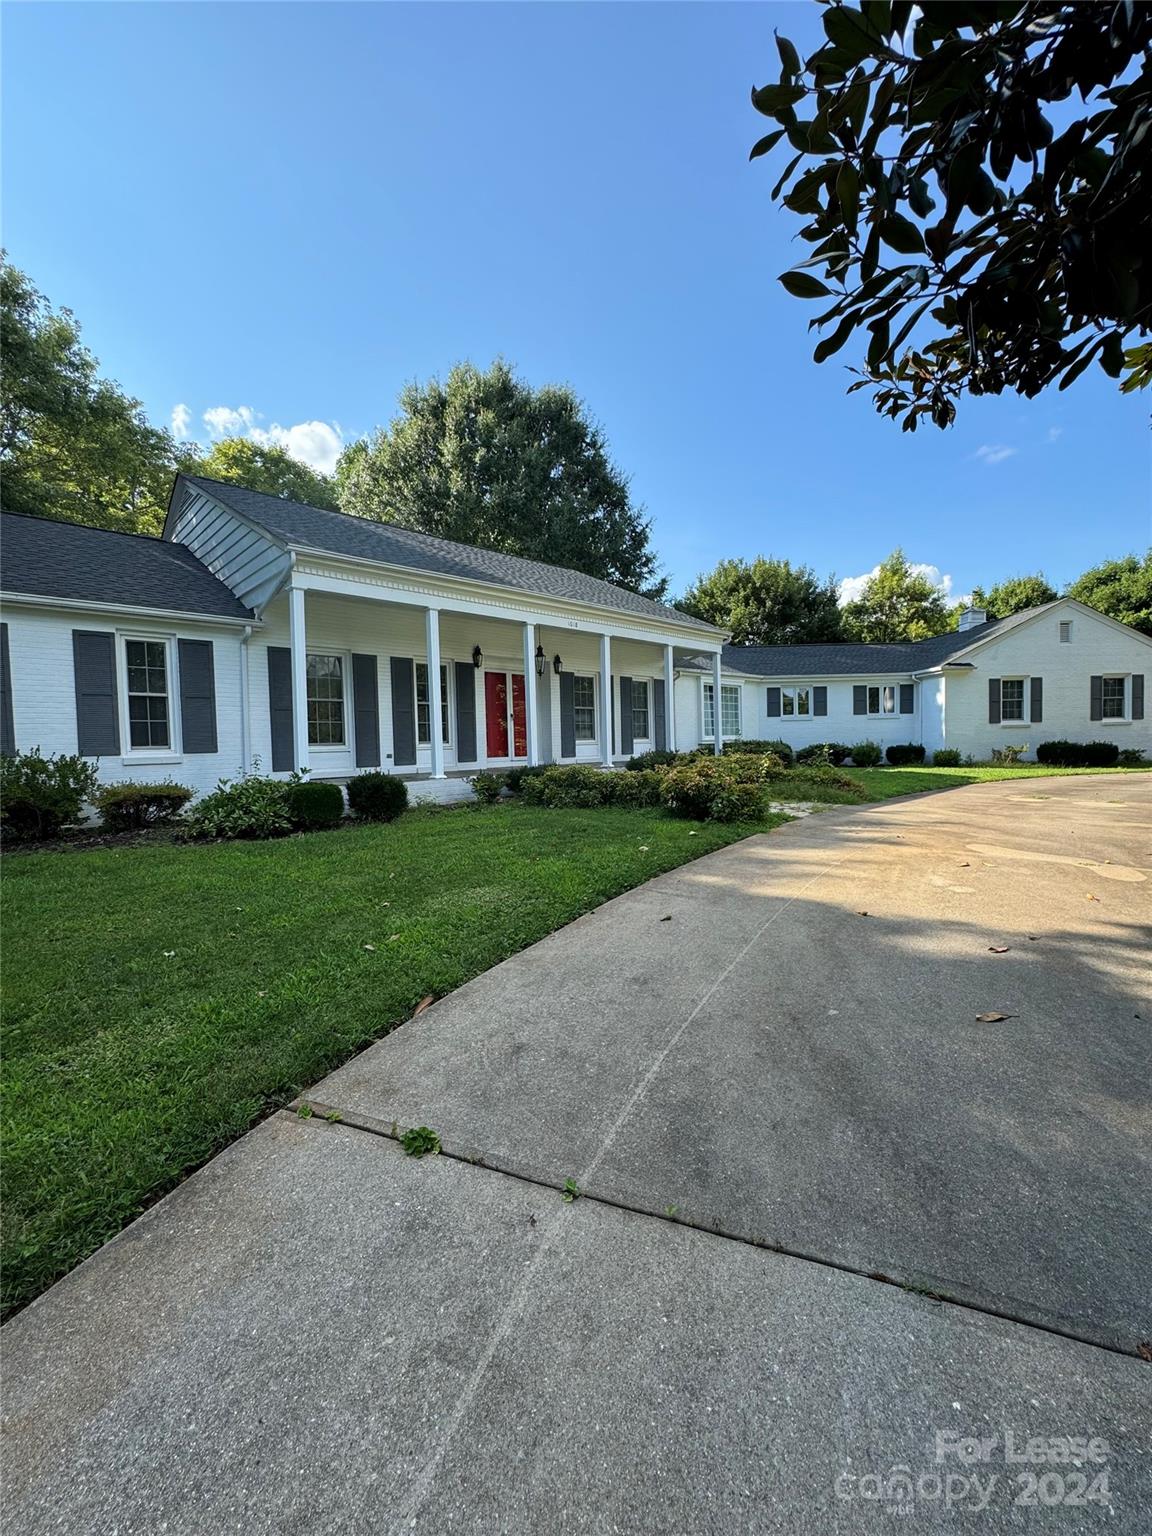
(999, 949)
(425, 1002)
(964, 865)
(993, 1018)
(1092, 898)
(1144, 1349)
(667, 919)
(861, 914)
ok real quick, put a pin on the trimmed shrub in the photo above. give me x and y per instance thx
(576, 788)
(820, 776)
(946, 757)
(833, 752)
(1078, 754)
(516, 776)
(657, 758)
(1131, 757)
(1009, 757)
(128, 807)
(377, 796)
(249, 807)
(640, 789)
(866, 754)
(312, 806)
(901, 756)
(779, 749)
(39, 795)
(714, 789)
(488, 787)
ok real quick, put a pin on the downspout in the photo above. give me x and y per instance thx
(245, 722)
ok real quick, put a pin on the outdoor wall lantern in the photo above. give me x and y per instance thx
(557, 665)
(541, 661)
(477, 657)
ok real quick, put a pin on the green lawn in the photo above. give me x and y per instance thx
(884, 783)
(159, 999)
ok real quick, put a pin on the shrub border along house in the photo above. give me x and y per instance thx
(41, 794)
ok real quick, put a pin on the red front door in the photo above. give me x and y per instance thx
(519, 717)
(496, 712)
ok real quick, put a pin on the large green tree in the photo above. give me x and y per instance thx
(897, 603)
(269, 468)
(1120, 588)
(73, 446)
(1014, 594)
(985, 230)
(766, 602)
(486, 459)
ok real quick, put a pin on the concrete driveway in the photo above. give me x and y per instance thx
(829, 1221)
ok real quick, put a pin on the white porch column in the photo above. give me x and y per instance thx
(531, 697)
(606, 700)
(669, 699)
(717, 711)
(299, 644)
(435, 703)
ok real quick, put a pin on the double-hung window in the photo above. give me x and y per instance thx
(584, 708)
(149, 722)
(424, 705)
(882, 699)
(1113, 698)
(640, 727)
(326, 722)
(729, 711)
(795, 701)
(1012, 699)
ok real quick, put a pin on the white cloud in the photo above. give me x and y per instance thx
(181, 421)
(315, 443)
(852, 586)
(223, 421)
(993, 453)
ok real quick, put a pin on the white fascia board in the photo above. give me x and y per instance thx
(129, 610)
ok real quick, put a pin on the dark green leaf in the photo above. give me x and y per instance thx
(1112, 355)
(789, 58)
(833, 343)
(902, 235)
(771, 99)
(762, 146)
(803, 286)
(848, 194)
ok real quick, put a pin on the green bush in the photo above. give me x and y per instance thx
(128, 807)
(312, 806)
(714, 789)
(821, 776)
(657, 758)
(1078, 754)
(779, 749)
(488, 787)
(946, 757)
(866, 754)
(901, 756)
(1130, 757)
(834, 752)
(516, 776)
(377, 796)
(575, 787)
(642, 788)
(39, 795)
(249, 807)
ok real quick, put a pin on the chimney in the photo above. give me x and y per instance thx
(971, 617)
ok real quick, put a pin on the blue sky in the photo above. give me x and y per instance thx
(295, 208)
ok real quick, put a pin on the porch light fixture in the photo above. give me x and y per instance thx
(557, 665)
(477, 657)
(541, 661)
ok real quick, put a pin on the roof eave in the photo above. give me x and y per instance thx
(131, 610)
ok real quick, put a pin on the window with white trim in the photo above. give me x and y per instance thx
(882, 699)
(584, 708)
(729, 711)
(1012, 699)
(325, 681)
(146, 665)
(1113, 698)
(424, 706)
(640, 725)
(795, 701)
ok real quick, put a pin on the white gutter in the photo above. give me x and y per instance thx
(245, 720)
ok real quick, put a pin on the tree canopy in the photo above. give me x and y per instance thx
(73, 446)
(766, 602)
(268, 468)
(1120, 588)
(982, 240)
(897, 603)
(1014, 595)
(488, 460)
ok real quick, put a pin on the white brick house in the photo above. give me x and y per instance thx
(260, 631)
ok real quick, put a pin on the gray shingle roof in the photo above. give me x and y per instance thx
(339, 533)
(44, 558)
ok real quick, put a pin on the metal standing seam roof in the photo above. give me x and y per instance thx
(40, 557)
(361, 538)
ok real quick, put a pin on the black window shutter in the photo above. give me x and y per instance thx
(366, 710)
(626, 737)
(1137, 695)
(567, 714)
(859, 699)
(7, 724)
(773, 705)
(280, 708)
(820, 699)
(659, 715)
(1036, 702)
(1095, 698)
(993, 701)
(97, 716)
(403, 710)
(197, 695)
(907, 698)
(465, 712)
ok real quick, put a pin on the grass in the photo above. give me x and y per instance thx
(884, 783)
(160, 999)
